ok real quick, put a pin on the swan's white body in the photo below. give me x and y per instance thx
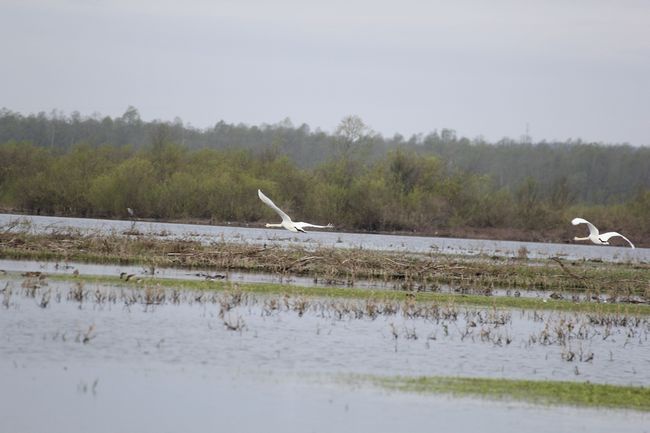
(594, 234)
(286, 221)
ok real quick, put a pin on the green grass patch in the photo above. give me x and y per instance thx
(540, 392)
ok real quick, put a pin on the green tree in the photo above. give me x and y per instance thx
(130, 184)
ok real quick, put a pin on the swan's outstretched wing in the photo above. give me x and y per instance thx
(272, 205)
(302, 225)
(606, 236)
(592, 228)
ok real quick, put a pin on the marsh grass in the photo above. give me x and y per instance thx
(365, 294)
(414, 272)
(540, 392)
(487, 325)
(408, 318)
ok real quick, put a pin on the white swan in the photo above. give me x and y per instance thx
(594, 235)
(286, 221)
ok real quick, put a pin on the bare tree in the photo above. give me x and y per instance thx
(351, 132)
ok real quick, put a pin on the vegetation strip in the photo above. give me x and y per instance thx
(379, 295)
(415, 272)
(542, 392)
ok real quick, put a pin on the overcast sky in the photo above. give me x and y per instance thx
(568, 69)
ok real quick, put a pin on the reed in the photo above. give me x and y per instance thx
(621, 282)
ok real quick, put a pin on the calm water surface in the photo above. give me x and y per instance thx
(162, 399)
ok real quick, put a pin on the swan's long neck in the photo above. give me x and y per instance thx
(274, 225)
(581, 239)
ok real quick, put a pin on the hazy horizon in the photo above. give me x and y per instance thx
(562, 70)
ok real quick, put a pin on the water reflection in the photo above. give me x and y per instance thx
(63, 322)
(154, 398)
(117, 359)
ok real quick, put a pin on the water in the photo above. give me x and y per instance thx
(407, 244)
(327, 336)
(153, 399)
(176, 367)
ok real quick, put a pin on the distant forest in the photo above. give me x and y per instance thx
(98, 166)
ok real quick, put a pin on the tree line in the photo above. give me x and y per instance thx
(403, 190)
(590, 173)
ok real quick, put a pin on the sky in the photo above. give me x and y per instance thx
(559, 69)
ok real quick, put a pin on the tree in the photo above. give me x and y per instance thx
(130, 184)
(131, 116)
(352, 129)
(165, 155)
(350, 133)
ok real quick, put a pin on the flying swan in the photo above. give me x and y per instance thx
(286, 221)
(594, 235)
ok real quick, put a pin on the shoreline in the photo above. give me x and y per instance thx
(550, 236)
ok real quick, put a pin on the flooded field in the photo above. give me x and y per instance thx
(73, 348)
(80, 350)
(261, 236)
(281, 333)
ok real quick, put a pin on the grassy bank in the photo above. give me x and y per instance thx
(415, 272)
(541, 392)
